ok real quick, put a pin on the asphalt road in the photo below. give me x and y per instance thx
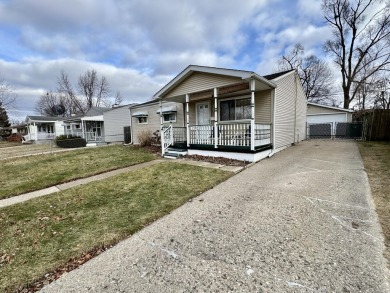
(301, 221)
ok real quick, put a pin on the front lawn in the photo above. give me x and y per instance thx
(21, 175)
(41, 235)
(10, 149)
(6, 144)
(376, 158)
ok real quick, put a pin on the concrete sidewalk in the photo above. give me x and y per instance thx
(53, 189)
(301, 221)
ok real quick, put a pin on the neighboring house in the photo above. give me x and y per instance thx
(117, 124)
(322, 120)
(145, 117)
(19, 128)
(89, 126)
(252, 115)
(42, 128)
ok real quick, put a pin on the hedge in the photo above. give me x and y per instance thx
(69, 141)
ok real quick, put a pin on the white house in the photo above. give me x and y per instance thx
(89, 126)
(232, 113)
(42, 128)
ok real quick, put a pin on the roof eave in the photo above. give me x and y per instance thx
(245, 75)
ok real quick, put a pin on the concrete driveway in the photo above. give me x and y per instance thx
(301, 221)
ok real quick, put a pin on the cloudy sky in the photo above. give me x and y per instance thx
(139, 45)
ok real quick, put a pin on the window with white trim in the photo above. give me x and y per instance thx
(171, 117)
(235, 109)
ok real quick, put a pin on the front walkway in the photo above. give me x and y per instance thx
(301, 221)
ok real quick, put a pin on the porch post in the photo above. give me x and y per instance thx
(161, 129)
(82, 129)
(252, 114)
(188, 119)
(215, 118)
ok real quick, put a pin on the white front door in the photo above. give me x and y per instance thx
(203, 114)
(203, 128)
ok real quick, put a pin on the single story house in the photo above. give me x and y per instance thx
(145, 119)
(42, 128)
(89, 126)
(322, 120)
(230, 113)
(117, 124)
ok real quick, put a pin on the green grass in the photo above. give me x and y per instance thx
(41, 235)
(376, 159)
(26, 149)
(26, 174)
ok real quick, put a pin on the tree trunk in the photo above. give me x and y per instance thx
(346, 97)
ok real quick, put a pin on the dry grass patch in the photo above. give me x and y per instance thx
(41, 235)
(376, 158)
(6, 144)
(31, 173)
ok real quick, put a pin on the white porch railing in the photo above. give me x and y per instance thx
(237, 134)
(167, 135)
(231, 134)
(45, 135)
(262, 134)
(201, 134)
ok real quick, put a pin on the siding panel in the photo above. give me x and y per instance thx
(197, 82)
(153, 120)
(288, 89)
(263, 107)
(114, 122)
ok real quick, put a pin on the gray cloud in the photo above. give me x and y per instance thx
(140, 44)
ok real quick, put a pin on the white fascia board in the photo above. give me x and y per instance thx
(329, 107)
(246, 75)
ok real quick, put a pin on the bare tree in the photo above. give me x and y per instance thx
(54, 104)
(65, 88)
(382, 98)
(358, 42)
(118, 98)
(315, 74)
(7, 95)
(95, 90)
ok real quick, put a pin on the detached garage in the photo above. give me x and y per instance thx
(322, 120)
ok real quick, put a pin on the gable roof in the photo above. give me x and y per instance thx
(243, 74)
(277, 74)
(44, 118)
(96, 111)
(329, 107)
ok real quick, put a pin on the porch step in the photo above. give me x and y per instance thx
(175, 153)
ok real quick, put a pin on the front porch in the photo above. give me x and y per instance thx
(231, 137)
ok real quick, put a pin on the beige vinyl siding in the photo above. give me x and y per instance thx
(153, 120)
(312, 109)
(114, 122)
(197, 82)
(263, 107)
(301, 114)
(288, 89)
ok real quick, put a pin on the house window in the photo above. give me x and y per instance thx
(169, 117)
(77, 126)
(235, 109)
(142, 120)
(68, 127)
